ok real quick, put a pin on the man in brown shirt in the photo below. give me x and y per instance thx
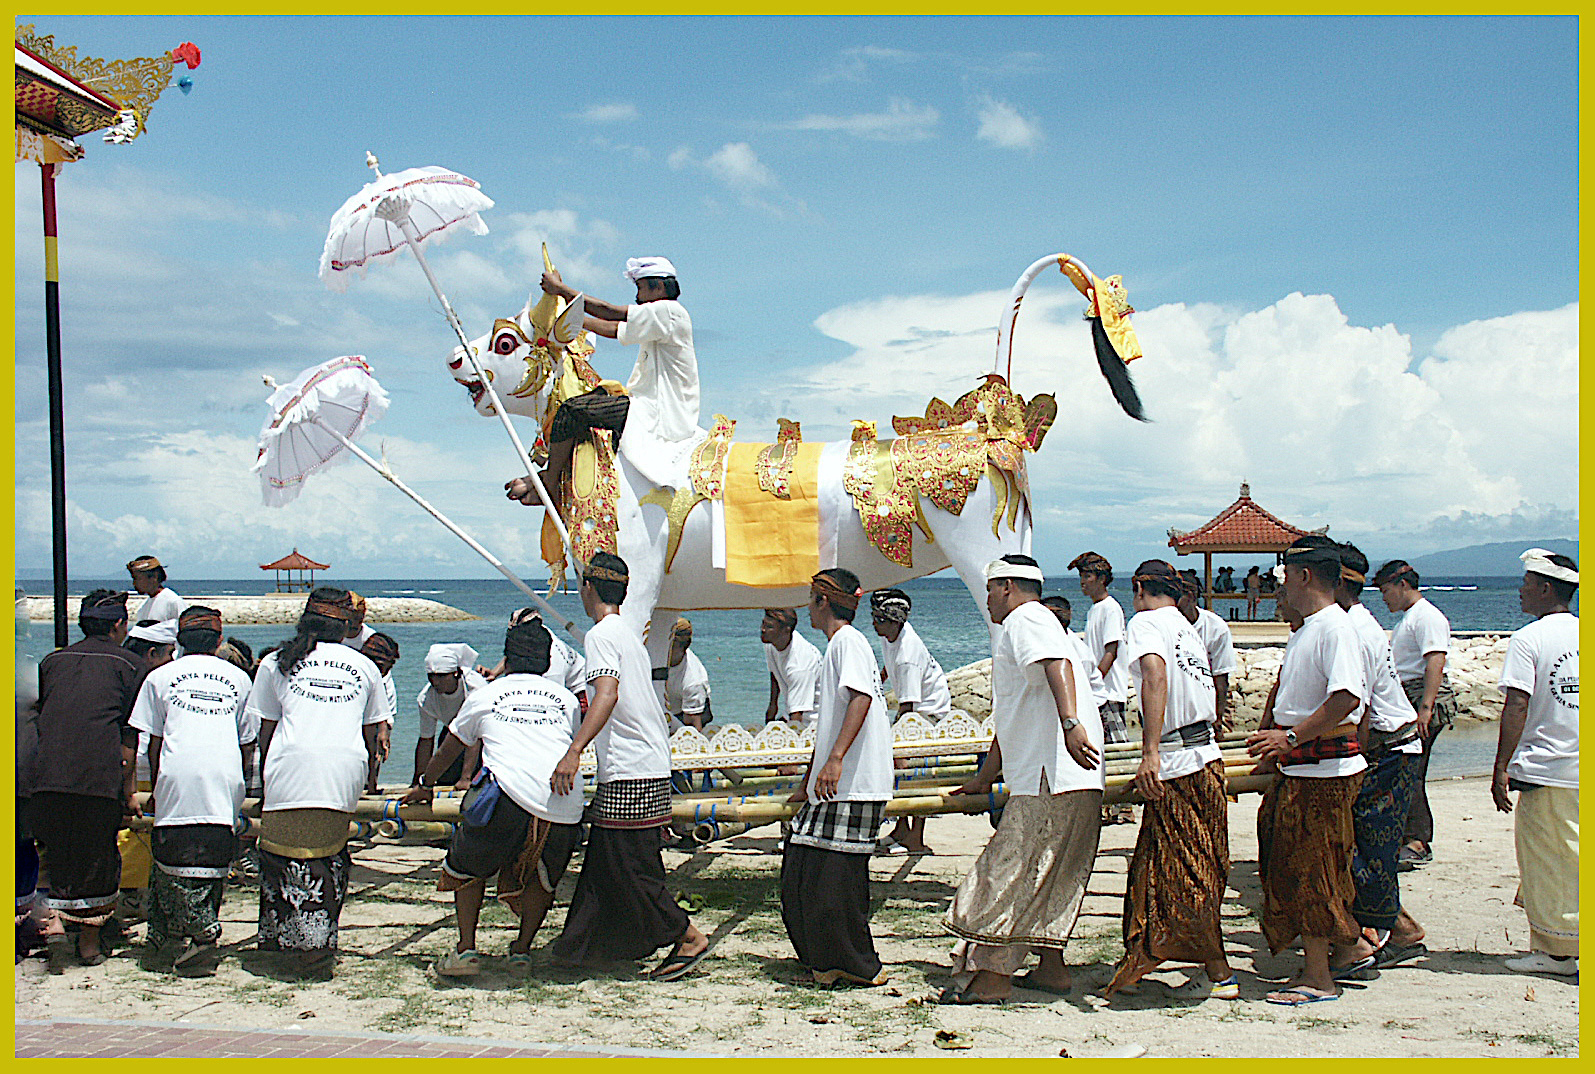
(83, 782)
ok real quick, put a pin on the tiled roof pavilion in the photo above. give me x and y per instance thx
(1241, 527)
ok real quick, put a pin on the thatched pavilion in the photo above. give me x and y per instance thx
(295, 561)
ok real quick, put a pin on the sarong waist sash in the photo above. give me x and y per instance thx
(1187, 737)
(1380, 741)
(1338, 741)
(304, 833)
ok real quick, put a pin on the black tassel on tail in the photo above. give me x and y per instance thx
(1116, 372)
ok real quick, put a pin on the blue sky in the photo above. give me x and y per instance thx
(1352, 243)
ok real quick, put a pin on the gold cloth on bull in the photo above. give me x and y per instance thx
(772, 540)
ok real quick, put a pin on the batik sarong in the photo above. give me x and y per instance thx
(188, 881)
(1545, 829)
(1304, 844)
(1178, 873)
(1026, 887)
(76, 834)
(1378, 817)
(304, 878)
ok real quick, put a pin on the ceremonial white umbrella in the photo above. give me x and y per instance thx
(315, 418)
(409, 209)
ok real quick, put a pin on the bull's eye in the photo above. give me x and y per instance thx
(504, 344)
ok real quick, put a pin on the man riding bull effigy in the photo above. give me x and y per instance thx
(659, 411)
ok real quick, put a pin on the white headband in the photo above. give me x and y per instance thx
(999, 569)
(641, 268)
(445, 658)
(162, 633)
(1538, 560)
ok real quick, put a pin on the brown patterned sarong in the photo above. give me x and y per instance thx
(1178, 873)
(1305, 840)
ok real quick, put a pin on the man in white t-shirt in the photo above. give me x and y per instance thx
(1104, 636)
(149, 580)
(1024, 891)
(794, 665)
(825, 886)
(920, 685)
(684, 682)
(195, 710)
(1419, 645)
(382, 651)
(1180, 865)
(1537, 756)
(525, 723)
(1304, 828)
(566, 665)
(451, 675)
(622, 910)
(1216, 639)
(1388, 728)
(659, 412)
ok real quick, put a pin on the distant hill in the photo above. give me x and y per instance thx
(1498, 560)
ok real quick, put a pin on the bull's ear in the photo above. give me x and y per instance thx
(569, 325)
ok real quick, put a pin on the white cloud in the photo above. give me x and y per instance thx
(620, 112)
(854, 64)
(737, 166)
(1003, 126)
(1323, 417)
(903, 121)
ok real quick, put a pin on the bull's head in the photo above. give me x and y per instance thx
(529, 358)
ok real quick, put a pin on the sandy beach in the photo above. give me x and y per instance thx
(274, 608)
(750, 997)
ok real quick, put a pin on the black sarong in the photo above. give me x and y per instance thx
(621, 910)
(76, 834)
(825, 905)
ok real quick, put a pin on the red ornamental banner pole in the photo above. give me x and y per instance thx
(52, 338)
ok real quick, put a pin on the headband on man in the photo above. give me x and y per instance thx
(597, 573)
(890, 605)
(357, 604)
(1312, 556)
(1091, 563)
(1349, 575)
(197, 617)
(113, 607)
(782, 615)
(999, 569)
(681, 630)
(443, 658)
(339, 610)
(161, 633)
(381, 647)
(826, 587)
(143, 564)
(1538, 561)
(643, 268)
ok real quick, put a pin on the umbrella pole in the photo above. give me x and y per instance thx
(498, 407)
(570, 627)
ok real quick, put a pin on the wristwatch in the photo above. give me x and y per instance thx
(1290, 736)
(1070, 724)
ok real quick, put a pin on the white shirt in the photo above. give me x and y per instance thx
(1321, 658)
(162, 606)
(1024, 712)
(1423, 629)
(1165, 633)
(635, 742)
(849, 665)
(1391, 709)
(198, 706)
(526, 724)
(685, 688)
(566, 665)
(1098, 689)
(664, 383)
(1217, 640)
(390, 699)
(437, 708)
(317, 756)
(1542, 661)
(361, 638)
(797, 674)
(916, 676)
(1104, 625)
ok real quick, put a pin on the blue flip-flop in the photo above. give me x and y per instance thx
(1309, 996)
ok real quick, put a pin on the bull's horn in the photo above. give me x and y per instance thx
(543, 313)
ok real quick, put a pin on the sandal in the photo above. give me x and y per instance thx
(519, 963)
(1393, 954)
(458, 964)
(963, 997)
(677, 965)
(1353, 971)
(1300, 996)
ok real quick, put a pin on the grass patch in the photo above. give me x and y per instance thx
(1553, 1045)
(1239, 1012)
(1311, 1022)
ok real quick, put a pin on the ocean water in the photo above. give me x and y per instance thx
(727, 642)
